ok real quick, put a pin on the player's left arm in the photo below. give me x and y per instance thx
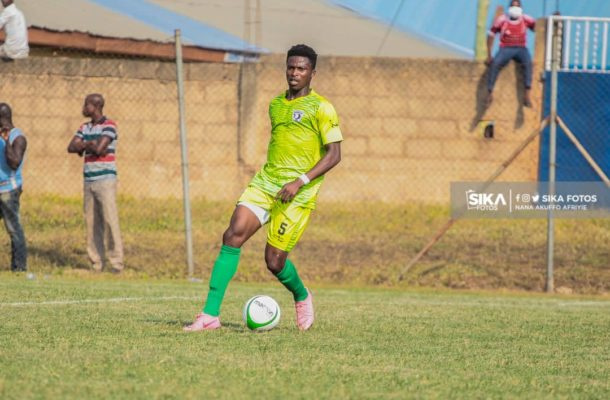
(326, 163)
(328, 124)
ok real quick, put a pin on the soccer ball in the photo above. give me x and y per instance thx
(261, 313)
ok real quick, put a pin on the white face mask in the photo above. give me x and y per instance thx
(515, 12)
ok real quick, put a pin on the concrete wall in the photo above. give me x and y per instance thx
(410, 125)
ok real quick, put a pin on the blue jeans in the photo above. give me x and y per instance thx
(9, 212)
(503, 57)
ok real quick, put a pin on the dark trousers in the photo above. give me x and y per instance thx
(9, 212)
(503, 57)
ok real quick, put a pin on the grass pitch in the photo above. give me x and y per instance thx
(101, 337)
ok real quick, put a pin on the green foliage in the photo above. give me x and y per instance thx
(114, 338)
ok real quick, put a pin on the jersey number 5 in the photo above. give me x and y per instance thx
(282, 229)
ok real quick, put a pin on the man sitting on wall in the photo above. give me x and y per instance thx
(513, 34)
(15, 29)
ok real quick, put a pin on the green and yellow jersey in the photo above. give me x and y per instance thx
(300, 128)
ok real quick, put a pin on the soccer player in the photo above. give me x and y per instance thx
(305, 144)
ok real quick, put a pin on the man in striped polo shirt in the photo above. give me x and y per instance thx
(96, 140)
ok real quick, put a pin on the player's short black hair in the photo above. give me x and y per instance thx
(303, 50)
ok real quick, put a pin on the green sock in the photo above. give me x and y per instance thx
(290, 279)
(222, 273)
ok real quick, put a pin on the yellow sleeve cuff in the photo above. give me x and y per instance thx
(333, 135)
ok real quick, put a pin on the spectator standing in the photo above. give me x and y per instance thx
(12, 151)
(96, 140)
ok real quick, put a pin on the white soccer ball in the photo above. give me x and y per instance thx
(261, 313)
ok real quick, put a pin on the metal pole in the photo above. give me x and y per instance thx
(480, 48)
(247, 23)
(258, 32)
(556, 27)
(544, 8)
(184, 152)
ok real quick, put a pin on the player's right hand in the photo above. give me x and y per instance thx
(489, 60)
(288, 191)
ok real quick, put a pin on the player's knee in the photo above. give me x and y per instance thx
(274, 264)
(233, 237)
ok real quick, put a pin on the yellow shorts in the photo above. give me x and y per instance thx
(287, 221)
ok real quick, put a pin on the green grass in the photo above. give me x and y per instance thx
(63, 338)
(361, 244)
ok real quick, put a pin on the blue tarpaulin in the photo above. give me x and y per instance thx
(583, 103)
(453, 22)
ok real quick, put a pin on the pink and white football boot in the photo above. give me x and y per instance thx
(203, 322)
(305, 312)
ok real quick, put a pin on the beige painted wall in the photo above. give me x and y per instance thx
(409, 125)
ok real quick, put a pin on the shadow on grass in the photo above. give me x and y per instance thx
(173, 323)
(59, 257)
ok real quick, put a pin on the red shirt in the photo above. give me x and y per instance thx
(513, 33)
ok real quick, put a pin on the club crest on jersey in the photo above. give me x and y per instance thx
(297, 115)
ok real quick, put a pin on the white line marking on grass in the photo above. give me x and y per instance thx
(90, 301)
(484, 303)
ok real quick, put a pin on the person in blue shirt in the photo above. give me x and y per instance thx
(12, 150)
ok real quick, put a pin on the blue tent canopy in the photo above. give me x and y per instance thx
(453, 23)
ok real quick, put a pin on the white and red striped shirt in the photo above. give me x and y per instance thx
(99, 167)
(513, 33)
